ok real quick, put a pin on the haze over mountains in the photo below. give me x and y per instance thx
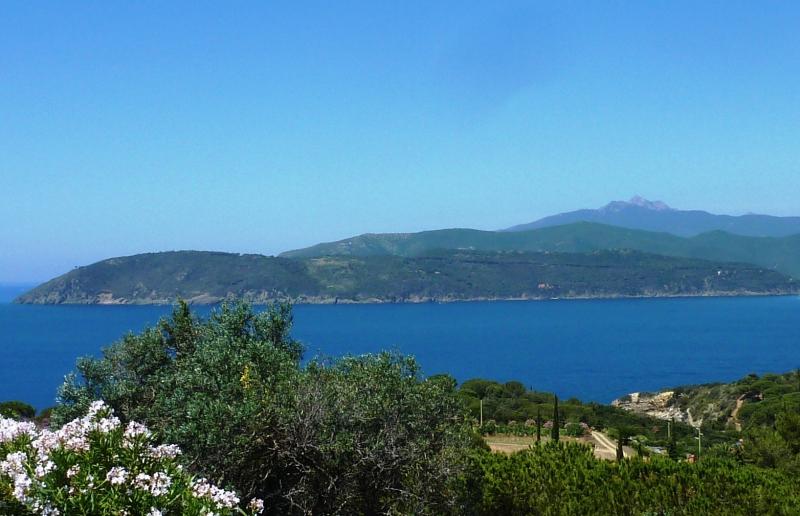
(768, 241)
(570, 254)
(639, 213)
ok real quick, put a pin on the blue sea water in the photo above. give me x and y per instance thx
(8, 291)
(591, 349)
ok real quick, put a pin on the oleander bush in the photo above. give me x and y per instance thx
(96, 465)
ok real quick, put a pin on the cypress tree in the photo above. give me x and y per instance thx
(672, 445)
(556, 424)
(620, 452)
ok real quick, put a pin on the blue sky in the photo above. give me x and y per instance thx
(260, 127)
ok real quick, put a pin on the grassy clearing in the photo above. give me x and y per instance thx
(513, 443)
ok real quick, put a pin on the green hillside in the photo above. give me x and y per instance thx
(778, 253)
(752, 401)
(205, 277)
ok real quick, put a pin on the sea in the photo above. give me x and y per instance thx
(595, 350)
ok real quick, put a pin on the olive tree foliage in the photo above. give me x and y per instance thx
(132, 374)
(360, 434)
(401, 439)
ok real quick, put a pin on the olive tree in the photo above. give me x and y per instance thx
(363, 434)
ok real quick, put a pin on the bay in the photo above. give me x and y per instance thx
(595, 350)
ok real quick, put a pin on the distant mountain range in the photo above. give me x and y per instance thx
(781, 254)
(567, 255)
(639, 213)
(203, 277)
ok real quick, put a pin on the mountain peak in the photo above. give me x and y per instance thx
(650, 205)
(637, 201)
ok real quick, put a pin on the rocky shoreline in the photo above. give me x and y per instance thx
(661, 405)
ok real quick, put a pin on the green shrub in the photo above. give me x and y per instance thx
(574, 430)
(356, 435)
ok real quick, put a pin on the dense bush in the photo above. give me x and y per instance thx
(16, 410)
(563, 478)
(95, 465)
(354, 435)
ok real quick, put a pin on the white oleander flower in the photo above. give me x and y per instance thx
(142, 481)
(43, 467)
(117, 476)
(164, 451)
(10, 430)
(256, 505)
(159, 485)
(96, 407)
(132, 432)
(107, 424)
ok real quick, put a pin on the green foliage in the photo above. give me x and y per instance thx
(574, 430)
(358, 434)
(17, 410)
(775, 447)
(564, 478)
(393, 448)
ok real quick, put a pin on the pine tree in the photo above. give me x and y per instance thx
(180, 330)
(556, 424)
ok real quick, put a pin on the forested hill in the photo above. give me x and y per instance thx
(778, 253)
(207, 277)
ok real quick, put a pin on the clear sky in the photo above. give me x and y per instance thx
(265, 126)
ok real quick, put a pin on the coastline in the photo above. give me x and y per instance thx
(106, 300)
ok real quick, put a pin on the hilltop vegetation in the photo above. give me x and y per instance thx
(753, 401)
(510, 407)
(203, 277)
(775, 253)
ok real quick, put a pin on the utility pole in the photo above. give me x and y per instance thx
(669, 430)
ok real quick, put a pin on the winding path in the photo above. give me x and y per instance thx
(606, 446)
(735, 414)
